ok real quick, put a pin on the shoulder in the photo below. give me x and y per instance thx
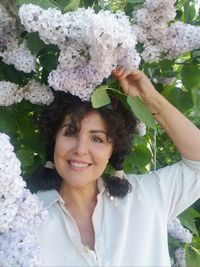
(155, 180)
(140, 180)
(181, 174)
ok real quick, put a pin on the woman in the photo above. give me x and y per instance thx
(112, 221)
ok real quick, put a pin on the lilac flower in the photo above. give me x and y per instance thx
(91, 45)
(20, 56)
(20, 213)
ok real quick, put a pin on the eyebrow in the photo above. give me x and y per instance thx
(98, 131)
(91, 131)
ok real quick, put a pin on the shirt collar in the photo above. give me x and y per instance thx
(50, 197)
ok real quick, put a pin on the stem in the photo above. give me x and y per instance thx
(155, 150)
(117, 91)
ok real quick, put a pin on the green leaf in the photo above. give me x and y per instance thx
(141, 155)
(179, 14)
(25, 156)
(190, 76)
(34, 44)
(42, 3)
(189, 12)
(138, 159)
(180, 99)
(173, 243)
(136, 1)
(187, 219)
(71, 5)
(7, 121)
(49, 61)
(196, 98)
(196, 242)
(88, 3)
(141, 111)
(192, 257)
(9, 73)
(100, 97)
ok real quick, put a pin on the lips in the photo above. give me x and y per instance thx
(78, 164)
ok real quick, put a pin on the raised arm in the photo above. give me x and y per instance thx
(183, 133)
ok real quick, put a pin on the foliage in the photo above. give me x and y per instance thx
(152, 151)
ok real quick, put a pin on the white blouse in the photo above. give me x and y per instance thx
(131, 231)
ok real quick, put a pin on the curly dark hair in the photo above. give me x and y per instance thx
(121, 125)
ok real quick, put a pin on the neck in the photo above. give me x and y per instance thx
(82, 199)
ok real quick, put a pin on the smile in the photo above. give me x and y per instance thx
(79, 165)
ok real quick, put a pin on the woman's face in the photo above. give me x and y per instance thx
(80, 158)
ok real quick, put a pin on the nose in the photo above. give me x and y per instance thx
(81, 147)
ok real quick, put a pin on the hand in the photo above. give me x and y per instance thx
(135, 83)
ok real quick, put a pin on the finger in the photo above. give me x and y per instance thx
(118, 72)
(126, 73)
(135, 75)
(138, 75)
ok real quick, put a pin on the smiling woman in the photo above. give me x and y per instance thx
(76, 135)
(91, 214)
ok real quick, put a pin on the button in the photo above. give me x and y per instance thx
(86, 249)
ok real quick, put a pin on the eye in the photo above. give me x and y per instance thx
(97, 139)
(68, 133)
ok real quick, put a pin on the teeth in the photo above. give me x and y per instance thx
(79, 165)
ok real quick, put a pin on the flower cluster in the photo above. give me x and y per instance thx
(165, 80)
(180, 257)
(20, 56)
(34, 92)
(37, 93)
(20, 213)
(91, 45)
(176, 229)
(159, 38)
(141, 129)
(9, 93)
(7, 28)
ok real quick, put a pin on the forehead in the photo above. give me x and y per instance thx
(91, 120)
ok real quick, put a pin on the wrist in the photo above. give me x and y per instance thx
(156, 103)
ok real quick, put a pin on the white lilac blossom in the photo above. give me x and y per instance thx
(161, 10)
(8, 30)
(160, 39)
(11, 183)
(183, 38)
(141, 129)
(91, 45)
(176, 229)
(74, 80)
(9, 93)
(20, 56)
(37, 93)
(20, 249)
(180, 257)
(20, 213)
(165, 80)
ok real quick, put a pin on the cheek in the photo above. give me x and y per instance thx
(61, 148)
(102, 155)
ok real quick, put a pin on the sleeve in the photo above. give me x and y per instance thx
(179, 185)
